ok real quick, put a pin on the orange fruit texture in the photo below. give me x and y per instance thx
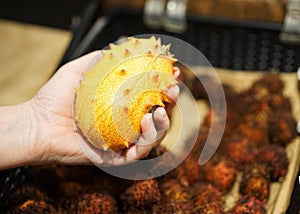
(120, 89)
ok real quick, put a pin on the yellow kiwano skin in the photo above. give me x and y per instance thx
(120, 89)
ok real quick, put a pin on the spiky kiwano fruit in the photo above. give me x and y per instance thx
(96, 203)
(141, 195)
(124, 85)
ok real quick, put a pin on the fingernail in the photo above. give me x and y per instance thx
(177, 72)
(160, 112)
(173, 92)
(151, 122)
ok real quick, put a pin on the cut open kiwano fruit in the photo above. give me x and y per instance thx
(120, 89)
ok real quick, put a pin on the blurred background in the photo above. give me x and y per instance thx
(36, 37)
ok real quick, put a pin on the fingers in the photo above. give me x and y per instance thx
(173, 93)
(154, 127)
(152, 134)
(145, 141)
(149, 134)
(141, 149)
(176, 72)
(162, 123)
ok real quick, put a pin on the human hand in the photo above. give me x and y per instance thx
(56, 139)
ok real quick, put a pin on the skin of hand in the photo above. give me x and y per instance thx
(42, 129)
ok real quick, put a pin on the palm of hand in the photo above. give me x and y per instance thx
(62, 143)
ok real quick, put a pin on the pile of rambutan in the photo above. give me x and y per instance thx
(259, 126)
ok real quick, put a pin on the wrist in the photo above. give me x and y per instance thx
(18, 133)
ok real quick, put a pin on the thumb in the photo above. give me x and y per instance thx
(84, 63)
(67, 76)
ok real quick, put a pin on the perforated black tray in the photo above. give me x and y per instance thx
(9, 179)
(229, 44)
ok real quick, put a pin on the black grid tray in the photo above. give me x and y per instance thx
(229, 44)
(9, 179)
